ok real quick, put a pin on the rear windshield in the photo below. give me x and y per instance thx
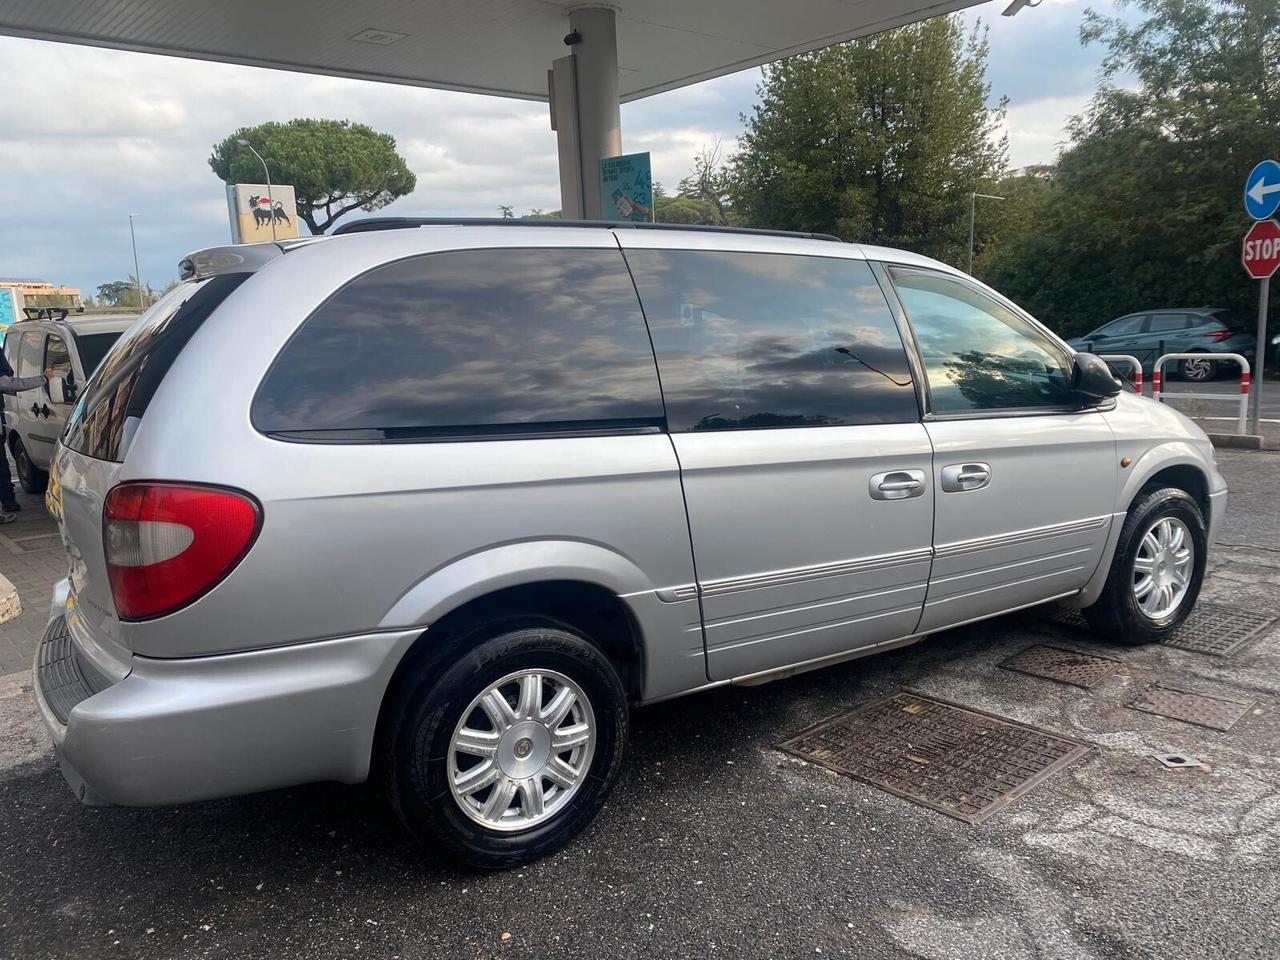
(93, 347)
(117, 395)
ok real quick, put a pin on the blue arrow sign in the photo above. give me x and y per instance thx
(1262, 190)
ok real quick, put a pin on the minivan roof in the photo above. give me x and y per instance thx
(401, 223)
(251, 257)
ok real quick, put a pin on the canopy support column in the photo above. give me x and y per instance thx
(585, 114)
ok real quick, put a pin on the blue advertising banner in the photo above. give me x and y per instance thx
(626, 188)
(8, 313)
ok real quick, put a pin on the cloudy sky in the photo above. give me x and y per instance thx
(88, 136)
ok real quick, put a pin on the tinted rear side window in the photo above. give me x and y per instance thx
(466, 344)
(756, 340)
(117, 396)
(1170, 322)
(93, 347)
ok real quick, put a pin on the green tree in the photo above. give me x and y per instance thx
(880, 140)
(334, 166)
(117, 293)
(1144, 207)
(707, 190)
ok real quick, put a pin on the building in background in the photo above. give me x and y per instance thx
(17, 294)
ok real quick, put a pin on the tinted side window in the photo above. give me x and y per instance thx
(528, 342)
(1169, 322)
(93, 347)
(115, 398)
(979, 354)
(1124, 326)
(755, 340)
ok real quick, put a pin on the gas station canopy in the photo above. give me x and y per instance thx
(500, 47)
(585, 58)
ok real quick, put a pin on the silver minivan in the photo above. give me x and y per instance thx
(438, 503)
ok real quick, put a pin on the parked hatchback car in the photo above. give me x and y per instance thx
(1147, 334)
(438, 503)
(34, 419)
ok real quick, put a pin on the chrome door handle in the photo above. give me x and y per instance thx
(959, 477)
(897, 485)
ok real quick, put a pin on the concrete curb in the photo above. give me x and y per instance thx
(10, 603)
(1240, 441)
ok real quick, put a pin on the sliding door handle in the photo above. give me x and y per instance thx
(897, 485)
(959, 477)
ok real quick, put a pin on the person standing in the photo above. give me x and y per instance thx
(10, 384)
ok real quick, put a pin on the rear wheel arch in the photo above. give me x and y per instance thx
(597, 613)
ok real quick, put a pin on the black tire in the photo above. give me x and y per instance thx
(32, 478)
(1199, 370)
(427, 706)
(1116, 614)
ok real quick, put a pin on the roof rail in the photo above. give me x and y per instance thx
(370, 224)
(45, 313)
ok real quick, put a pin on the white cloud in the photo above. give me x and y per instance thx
(1037, 128)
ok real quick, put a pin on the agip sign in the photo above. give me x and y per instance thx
(260, 212)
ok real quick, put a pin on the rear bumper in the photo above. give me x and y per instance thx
(175, 731)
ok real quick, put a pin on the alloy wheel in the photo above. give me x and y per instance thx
(1163, 568)
(521, 750)
(1196, 369)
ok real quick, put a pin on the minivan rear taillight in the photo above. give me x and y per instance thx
(167, 544)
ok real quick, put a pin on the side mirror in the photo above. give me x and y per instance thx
(1092, 379)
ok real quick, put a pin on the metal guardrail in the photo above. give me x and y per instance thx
(1131, 361)
(1157, 377)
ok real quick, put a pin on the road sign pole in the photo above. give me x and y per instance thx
(1260, 358)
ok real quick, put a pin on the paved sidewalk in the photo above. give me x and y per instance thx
(32, 559)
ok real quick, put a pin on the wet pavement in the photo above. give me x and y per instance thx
(718, 844)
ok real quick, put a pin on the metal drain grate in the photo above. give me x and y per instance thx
(958, 761)
(1065, 666)
(1212, 628)
(1218, 630)
(1217, 713)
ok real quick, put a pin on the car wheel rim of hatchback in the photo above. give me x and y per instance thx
(522, 750)
(1196, 369)
(1163, 567)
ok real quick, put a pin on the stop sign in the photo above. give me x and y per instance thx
(1261, 251)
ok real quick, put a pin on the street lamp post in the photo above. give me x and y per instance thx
(271, 201)
(973, 209)
(137, 274)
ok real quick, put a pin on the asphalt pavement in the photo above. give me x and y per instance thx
(717, 844)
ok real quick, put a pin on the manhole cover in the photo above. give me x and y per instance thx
(1217, 713)
(33, 544)
(1066, 666)
(958, 761)
(1212, 628)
